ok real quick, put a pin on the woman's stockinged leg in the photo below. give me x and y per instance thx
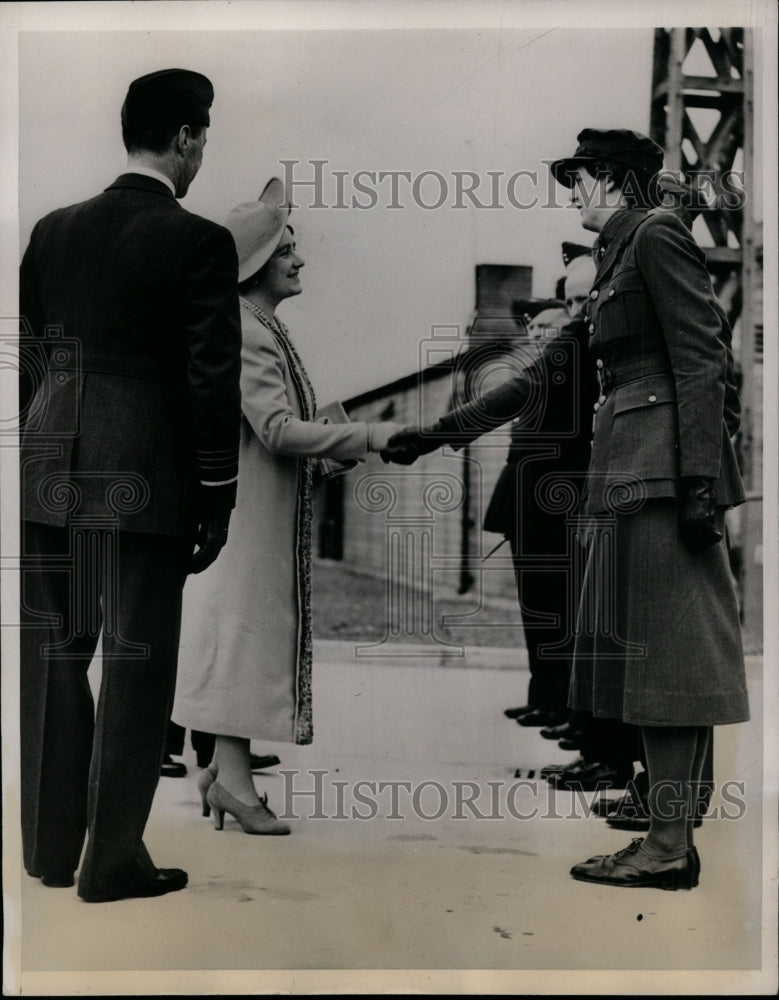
(702, 747)
(235, 774)
(675, 756)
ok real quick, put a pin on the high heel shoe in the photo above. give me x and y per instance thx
(259, 819)
(205, 779)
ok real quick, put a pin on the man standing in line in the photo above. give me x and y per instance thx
(550, 446)
(130, 418)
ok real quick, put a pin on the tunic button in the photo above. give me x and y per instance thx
(599, 363)
(601, 400)
(591, 328)
(653, 398)
(596, 406)
(593, 295)
(611, 292)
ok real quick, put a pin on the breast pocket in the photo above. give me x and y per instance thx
(621, 306)
(644, 438)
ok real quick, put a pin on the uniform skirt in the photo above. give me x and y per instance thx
(658, 638)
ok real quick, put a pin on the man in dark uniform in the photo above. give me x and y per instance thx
(549, 450)
(130, 414)
(549, 453)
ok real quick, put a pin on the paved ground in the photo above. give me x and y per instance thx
(412, 893)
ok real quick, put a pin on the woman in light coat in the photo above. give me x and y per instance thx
(245, 661)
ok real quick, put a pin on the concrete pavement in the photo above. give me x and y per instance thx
(408, 875)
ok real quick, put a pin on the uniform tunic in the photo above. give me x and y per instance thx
(659, 640)
(658, 636)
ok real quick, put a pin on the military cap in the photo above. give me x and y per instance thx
(619, 145)
(526, 310)
(168, 97)
(573, 250)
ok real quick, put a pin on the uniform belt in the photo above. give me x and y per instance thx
(613, 376)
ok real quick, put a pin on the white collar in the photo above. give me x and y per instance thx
(135, 168)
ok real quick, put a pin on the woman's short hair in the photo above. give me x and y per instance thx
(638, 186)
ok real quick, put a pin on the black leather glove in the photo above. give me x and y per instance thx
(405, 447)
(697, 514)
(211, 538)
(215, 504)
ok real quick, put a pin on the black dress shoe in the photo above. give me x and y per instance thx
(562, 732)
(172, 768)
(514, 713)
(58, 880)
(550, 769)
(540, 717)
(528, 773)
(259, 762)
(632, 869)
(166, 880)
(692, 854)
(590, 777)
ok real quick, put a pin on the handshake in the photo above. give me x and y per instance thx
(406, 445)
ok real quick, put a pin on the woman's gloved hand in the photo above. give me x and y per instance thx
(697, 514)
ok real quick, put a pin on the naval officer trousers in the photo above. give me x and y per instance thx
(82, 770)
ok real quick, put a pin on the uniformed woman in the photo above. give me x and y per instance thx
(658, 640)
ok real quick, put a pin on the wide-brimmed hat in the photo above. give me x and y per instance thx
(617, 145)
(257, 227)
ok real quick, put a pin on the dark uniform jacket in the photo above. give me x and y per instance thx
(130, 364)
(662, 347)
(550, 447)
(667, 406)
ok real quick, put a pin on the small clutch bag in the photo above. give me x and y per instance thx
(329, 468)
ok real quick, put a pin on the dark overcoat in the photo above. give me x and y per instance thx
(132, 357)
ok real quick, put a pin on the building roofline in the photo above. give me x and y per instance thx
(429, 374)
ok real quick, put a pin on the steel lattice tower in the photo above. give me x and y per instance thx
(702, 113)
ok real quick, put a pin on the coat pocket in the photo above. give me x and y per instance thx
(644, 438)
(622, 305)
